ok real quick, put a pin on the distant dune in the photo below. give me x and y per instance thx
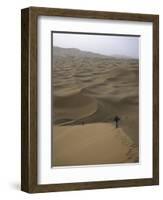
(74, 106)
(90, 88)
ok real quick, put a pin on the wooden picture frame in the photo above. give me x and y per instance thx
(29, 112)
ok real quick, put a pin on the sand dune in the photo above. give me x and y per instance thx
(99, 143)
(92, 89)
(74, 106)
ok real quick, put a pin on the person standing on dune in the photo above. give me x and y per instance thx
(116, 119)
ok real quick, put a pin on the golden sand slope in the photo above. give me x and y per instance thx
(96, 143)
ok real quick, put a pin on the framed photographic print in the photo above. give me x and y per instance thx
(90, 99)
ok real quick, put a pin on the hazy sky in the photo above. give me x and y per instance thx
(103, 44)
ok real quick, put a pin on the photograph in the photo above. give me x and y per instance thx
(95, 99)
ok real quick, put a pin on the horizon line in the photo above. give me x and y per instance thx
(113, 55)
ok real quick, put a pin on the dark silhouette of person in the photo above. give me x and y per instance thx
(82, 122)
(116, 119)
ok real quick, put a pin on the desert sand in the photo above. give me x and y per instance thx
(89, 90)
(99, 143)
